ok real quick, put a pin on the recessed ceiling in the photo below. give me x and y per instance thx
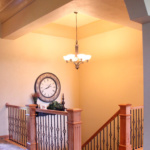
(70, 20)
(87, 26)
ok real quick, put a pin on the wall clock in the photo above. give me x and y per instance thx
(48, 86)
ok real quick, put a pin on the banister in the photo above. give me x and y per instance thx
(48, 111)
(137, 107)
(15, 106)
(71, 119)
(99, 130)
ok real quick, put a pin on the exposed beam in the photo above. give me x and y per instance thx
(35, 15)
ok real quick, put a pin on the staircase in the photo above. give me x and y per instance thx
(123, 131)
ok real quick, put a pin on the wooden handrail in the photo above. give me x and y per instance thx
(15, 106)
(99, 130)
(48, 111)
(137, 107)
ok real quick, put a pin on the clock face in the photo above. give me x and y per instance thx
(48, 87)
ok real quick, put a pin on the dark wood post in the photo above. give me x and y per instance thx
(31, 127)
(125, 127)
(74, 129)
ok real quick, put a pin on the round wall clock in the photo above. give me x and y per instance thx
(48, 86)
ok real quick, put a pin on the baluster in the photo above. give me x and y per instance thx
(38, 133)
(94, 143)
(136, 129)
(61, 139)
(57, 134)
(54, 133)
(25, 125)
(64, 131)
(104, 139)
(13, 122)
(48, 132)
(141, 128)
(110, 136)
(100, 141)
(97, 141)
(107, 137)
(9, 121)
(40, 130)
(133, 130)
(46, 143)
(10, 132)
(131, 127)
(91, 144)
(18, 127)
(117, 132)
(52, 145)
(21, 127)
(114, 134)
(43, 132)
(19, 118)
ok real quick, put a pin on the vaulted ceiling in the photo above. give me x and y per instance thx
(18, 17)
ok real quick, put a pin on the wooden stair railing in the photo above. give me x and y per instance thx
(101, 139)
(46, 129)
(123, 131)
(17, 126)
(136, 125)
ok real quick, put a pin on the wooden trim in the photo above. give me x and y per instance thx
(99, 130)
(137, 107)
(48, 111)
(4, 137)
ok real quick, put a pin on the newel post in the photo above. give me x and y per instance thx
(74, 129)
(125, 127)
(31, 127)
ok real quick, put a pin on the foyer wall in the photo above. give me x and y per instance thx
(23, 60)
(113, 76)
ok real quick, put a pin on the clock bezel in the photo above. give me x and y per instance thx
(38, 81)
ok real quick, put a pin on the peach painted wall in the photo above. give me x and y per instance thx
(23, 60)
(113, 76)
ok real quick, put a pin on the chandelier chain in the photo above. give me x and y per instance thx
(76, 29)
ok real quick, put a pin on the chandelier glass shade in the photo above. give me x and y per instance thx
(77, 58)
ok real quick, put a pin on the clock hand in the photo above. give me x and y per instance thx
(48, 86)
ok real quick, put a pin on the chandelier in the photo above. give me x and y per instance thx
(77, 58)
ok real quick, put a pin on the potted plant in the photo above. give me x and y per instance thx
(35, 96)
